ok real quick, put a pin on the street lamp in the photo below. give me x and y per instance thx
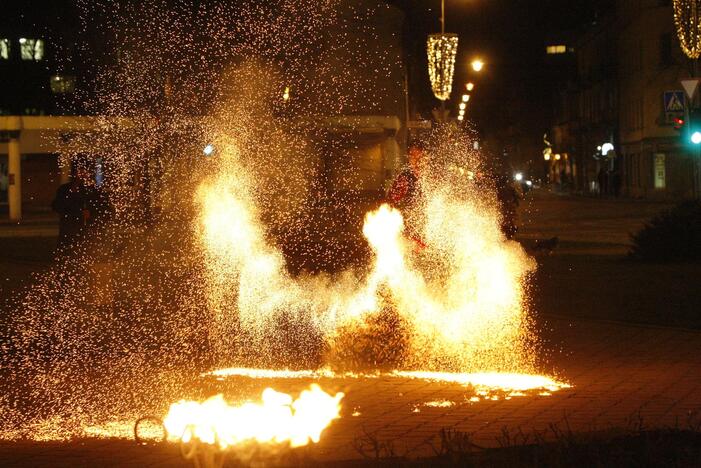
(465, 97)
(477, 65)
(462, 106)
(470, 86)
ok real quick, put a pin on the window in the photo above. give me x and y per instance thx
(665, 50)
(4, 49)
(31, 49)
(556, 49)
(61, 84)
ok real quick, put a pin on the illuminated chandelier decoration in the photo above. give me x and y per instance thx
(442, 49)
(687, 20)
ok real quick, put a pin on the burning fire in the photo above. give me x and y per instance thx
(461, 296)
(490, 381)
(278, 419)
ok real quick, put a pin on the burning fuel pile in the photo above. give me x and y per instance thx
(224, 198)
(277, 419)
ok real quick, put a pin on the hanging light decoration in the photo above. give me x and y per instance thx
(687, 19)
(442, 49)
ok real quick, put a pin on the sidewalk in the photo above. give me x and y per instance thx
(600, 226)
(39, 224)
(623, 376)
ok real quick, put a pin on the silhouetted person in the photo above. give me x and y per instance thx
(603, 178)
(616, 181)
(508, 203)
(77, 202)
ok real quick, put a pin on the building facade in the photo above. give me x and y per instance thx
(616, 120)
(35, 81)
(361, 140)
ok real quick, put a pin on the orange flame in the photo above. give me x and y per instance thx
(277, 420)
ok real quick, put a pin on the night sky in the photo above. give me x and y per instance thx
(517, 84)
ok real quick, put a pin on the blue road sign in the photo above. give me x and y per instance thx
(674, 101)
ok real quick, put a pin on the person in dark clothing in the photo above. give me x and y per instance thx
(77, 203)
(405, 190)
(616, 181)
(405, 193)
(508, 203)
(603, 177)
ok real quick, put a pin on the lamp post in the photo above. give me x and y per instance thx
(442, 49)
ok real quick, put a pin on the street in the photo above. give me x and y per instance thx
(629, 363)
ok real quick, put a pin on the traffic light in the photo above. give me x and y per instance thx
(678, 123)
(694, 130)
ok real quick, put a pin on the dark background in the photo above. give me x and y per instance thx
(517, 82)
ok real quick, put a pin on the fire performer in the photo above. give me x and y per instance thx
(405, 192)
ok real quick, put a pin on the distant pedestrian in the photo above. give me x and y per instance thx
(78, 203)
(602, 178)
(616, 182)
(508, 198)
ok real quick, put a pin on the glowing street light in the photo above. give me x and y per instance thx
(605, 148)
(461, 117)
(518, 176)
(470, 86)
(477, 65)
(286, 94)
(462, 105)
(465, 97)
(208, 150)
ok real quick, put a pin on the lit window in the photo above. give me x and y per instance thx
(4, 49)
(61, 84)
(556, 49)
(31, 49)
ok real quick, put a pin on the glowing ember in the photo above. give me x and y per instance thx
(439, 404)
(484, 382)
(276, 420)
(490, 380)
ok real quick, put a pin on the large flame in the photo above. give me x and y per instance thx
(460, 294)
(278, 419)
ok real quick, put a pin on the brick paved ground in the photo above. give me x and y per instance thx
(623, 376)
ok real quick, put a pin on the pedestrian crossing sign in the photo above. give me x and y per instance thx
(674, 101)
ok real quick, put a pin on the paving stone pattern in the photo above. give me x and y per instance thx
(623, 376)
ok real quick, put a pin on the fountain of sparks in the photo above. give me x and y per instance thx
(208, 286)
